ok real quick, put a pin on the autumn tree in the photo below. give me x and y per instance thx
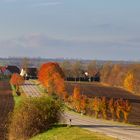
(83, 103)
(92, 68)
(77, 69)
(105, 71)
(76, 98)
(76, 93)
(52, 77)
(129, 81)
(16, 80)
(103, 105)
(126, 108)
(113, 78)
(111, 107)
(118, 108)
(67, 68)
(97, 106)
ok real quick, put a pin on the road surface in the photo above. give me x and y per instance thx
(118, 130)
(113, 129)
(30, 89)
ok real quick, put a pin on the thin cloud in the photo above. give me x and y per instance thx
(46, 4)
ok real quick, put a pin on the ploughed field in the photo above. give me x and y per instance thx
(6, 106)
(99, 90)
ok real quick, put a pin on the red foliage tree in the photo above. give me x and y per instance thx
(16, 80)
(52, 77)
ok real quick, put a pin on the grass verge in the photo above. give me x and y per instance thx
(70, 133)
(17, 99)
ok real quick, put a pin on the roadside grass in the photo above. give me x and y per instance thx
(70, 133)
(17, 99)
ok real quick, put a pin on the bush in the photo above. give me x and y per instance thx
(34, 115)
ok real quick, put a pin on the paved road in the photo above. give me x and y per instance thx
(30, 89)
(114, 129)
(117, 130)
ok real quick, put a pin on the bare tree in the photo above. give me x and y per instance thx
(77, 69)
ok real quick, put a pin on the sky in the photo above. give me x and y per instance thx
(80, 29)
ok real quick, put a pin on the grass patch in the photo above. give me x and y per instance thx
(17, 99)
(70, 133)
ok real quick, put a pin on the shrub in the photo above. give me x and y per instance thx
(34, 115)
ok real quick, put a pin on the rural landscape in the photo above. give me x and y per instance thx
(69, 70)
(68, 96)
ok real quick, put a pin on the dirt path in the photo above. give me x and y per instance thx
(114, 129)
(6, 106)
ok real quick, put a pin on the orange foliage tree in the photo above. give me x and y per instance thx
(83, 104)
(129, 81)
(76, 98)
(76, 93)
(126, 108)
(111, 106)
(16, 80)
(52, 77)
(103, 105)
(97, 106)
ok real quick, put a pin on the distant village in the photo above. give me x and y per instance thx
(32, 72)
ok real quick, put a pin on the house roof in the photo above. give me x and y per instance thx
(13, 69)
(32, 71)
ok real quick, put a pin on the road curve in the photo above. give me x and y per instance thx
(113, 129)
(118, 130)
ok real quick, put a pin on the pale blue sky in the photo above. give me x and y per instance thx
(87, 29)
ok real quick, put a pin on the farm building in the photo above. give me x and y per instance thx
(29, 73)
(13, 69)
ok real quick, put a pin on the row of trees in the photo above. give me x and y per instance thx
(51, 77)
(125, 75)
(103, 107)
(78, 68)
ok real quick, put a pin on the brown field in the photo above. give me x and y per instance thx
(6, 105)
(97, 89)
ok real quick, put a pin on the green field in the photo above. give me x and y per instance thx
(70, 133)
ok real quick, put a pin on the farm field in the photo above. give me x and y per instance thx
(97, 89)
(6, 106)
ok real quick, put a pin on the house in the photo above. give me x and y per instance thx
(4, 71)
(13, 69)
(29, 73)
(32, 73)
